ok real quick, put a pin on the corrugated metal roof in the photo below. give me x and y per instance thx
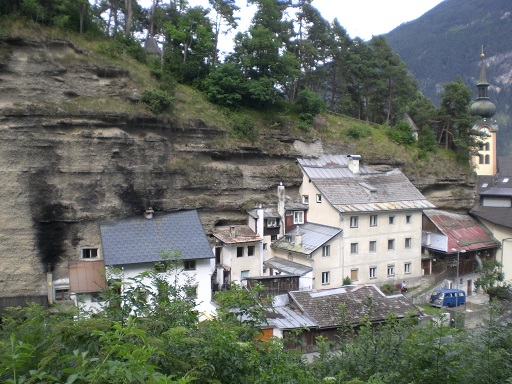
(392, 206)
(284, 317)
(463, 232)
(287, 266)
(140, 240)
(313, 236)
(330, 167)
(235, 234)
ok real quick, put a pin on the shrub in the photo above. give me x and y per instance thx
(347, 281)
(309, 102)
(359, 132)
(157, 101)
(244, 128)
(402, 133)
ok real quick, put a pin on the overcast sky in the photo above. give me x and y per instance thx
(361, 18)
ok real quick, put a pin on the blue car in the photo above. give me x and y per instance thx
(447, 298)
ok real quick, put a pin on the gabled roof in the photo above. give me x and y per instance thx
(287, 266)
(139, 240)
(234, 234)
(365, 300)
(496, 215)
(463, 232)
(312, 235)
(366, 191)
(331, 167)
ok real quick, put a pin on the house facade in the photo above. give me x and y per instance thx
(155, 242)
(379, 214)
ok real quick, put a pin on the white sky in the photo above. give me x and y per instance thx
(361, 18)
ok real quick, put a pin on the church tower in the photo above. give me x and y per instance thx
(485, 161)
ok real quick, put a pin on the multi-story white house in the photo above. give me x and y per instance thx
(379, 214)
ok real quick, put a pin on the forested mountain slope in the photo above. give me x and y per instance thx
(446, 42)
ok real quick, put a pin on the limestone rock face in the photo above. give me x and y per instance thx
(63, 172)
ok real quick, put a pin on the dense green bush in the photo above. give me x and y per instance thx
(401, 133)
(244, 128)
(359, 132)
(309, 102)
(157, 101)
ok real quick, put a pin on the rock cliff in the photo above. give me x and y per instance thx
(65, 170)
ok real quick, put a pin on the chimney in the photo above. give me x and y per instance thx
(298, 237)
(353, 163)
(232, 231)
(148, 213)
(280, 200)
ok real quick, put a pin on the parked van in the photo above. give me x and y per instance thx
(447, 298)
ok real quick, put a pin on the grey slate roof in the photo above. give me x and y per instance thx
(287, 266)
(497, 215)
(313, 236)
(323, 306)
(390, 191)
(505, 165)
(139, 240)
(501, 187)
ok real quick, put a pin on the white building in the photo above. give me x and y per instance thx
(379, 214)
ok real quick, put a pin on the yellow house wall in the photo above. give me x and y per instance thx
(504, 254)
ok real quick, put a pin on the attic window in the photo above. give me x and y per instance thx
(485, 185)
(271, 222)
(89, 253)
(505, 180)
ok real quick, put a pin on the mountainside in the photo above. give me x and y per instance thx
(78, 148)
(446, 42)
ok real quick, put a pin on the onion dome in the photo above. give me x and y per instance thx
(482, 106)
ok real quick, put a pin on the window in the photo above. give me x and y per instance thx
(391, 270)
(305, 199)
(353, 248)
(480, 159)
(373, 272)
(61, 294)
(271, 222)
(408, 242)
(264, 246)
(189, 265)
(373, 220)
(250, 250)
(273, 237)
(391, 244)
(353, 274)
(239, 251)
(244, 274)
(89, 253)
(408, 219)
(354, 221)
(325, 278)
(326, 250)
(407, 267)
(373, 246)
(298, 217)
(319, 199)
(487, 159)
(486, 147)
(391, 220)
(218, 253)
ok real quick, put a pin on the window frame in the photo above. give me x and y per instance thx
(356, 270)
(391, 269)
(354, 248)
(298, 217)
(407, 267)
(89, 249)
(373, 220)
(271, 222)
(391, 244)
(189, 265)
(374, 244)
(373, 272)
(408, 219)
(319, 198)
(305, 199)
(408, 243)
(240, 253)
(251, 250)
(354, 221)
(391, 219)
(326, 278)
(326, 250)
